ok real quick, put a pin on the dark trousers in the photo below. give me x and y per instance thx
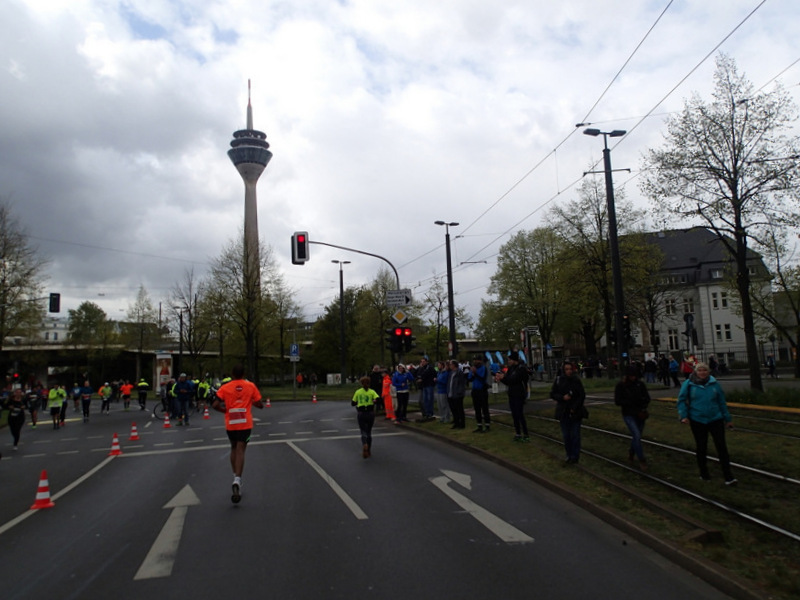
(15, 425)
(366, 419)
(402, 405)
(571, 431)
(517, 406)
(86, 404)
(457, 408)
(142, 399)
(480, 402)
(700, 431)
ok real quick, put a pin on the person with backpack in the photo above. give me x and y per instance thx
(702, 405)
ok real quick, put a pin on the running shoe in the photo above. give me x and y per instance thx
(236, 487)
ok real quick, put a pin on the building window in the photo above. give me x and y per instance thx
(688, 305)
(46, 335)
(674, 339)
(728, 336)
(714, 301)
(716, 273)
(718, 332)
(669, 306)
(55, 336)
(723, 298)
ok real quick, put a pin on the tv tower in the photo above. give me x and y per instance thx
(250, 154)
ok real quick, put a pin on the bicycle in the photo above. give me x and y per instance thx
(159, 410)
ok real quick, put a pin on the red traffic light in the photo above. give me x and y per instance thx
(398, 331)
(407, 331)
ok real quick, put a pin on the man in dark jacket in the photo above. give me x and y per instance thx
(569, 395)
(479, 377)
(516, 380)
(632, 397)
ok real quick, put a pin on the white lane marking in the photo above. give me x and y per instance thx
(67, 452)
(505, 531)
(161, 557)
(337, 489)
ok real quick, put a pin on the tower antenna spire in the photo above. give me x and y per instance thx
(249, 108)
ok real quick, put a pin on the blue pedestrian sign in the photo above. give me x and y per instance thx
(294, 350)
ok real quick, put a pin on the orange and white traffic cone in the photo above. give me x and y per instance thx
(115, 449)
(166, 421)
(43, 493)
(134, 433)
(314, 399)
(205, 413)
(268, 402)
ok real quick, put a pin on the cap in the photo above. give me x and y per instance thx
(183, 375)
(106, 383)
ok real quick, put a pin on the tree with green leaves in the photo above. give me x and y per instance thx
(21, 277)
(90, 328)
(141, 330)
(731, 164)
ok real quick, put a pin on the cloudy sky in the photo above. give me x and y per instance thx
(383, 116)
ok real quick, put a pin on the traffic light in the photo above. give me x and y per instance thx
(392, 341)
(626, 327)
(55, 303)
(299, 247)
(408, 339)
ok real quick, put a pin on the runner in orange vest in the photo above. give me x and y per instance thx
(125, 389)
(236, 399)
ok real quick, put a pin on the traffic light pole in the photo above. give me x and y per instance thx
(396, 276)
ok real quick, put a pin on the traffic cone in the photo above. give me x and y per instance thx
(115, 449)
(205, 413)
(166, 421)
(314, 399)
(43, 493)
(268, 402)
(134, 433)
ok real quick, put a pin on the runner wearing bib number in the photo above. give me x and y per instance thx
(236, 399)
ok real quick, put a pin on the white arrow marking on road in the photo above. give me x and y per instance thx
(159, 561)
(505, 531)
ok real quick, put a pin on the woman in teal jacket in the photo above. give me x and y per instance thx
(701, 404)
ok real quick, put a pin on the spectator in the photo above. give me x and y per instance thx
(16, 415)
(425, 377)
(516, 381)
(701, 404)
(569, 395)
(632, 397)
(478, 376)
(456, 389)
(442, 375)
(402, 380)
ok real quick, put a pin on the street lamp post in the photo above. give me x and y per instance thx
(342, 351)
(450, 307)
(613, 242)
(180, 338)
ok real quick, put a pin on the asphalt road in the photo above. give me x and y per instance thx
(419, 519)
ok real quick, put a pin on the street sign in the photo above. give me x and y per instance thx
(294, 358)
(398, 298)
(294, 350)
(399, 317)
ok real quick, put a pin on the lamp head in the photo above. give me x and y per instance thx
(617, 133)
(592, 132)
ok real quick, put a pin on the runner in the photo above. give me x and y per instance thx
(236, 399)
(125, 389)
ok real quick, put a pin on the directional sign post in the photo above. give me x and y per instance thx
(398, 298)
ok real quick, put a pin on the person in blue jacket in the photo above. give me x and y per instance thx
(701, 404)
(402, 380)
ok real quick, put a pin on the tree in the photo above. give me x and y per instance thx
(242, 298)
(435, 306)
(21, 276)
(529, 283)
(141, 331)
(195, 325)
(582, 224)
(89, 327)
(731, 164)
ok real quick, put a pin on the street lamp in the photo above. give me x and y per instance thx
(613, 242)
(180, 310)
(343, 352)
(451, 309)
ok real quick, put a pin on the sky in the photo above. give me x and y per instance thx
(382, 117)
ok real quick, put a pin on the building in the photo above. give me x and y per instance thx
(699, 311)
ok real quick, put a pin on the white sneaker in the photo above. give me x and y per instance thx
(236, 487)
